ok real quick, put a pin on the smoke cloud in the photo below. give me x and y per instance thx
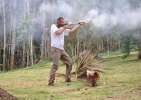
(104, 15)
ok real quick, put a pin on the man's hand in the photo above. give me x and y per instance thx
(82, 23)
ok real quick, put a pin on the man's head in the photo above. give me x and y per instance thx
(60, 22)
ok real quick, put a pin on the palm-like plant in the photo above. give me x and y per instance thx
(86, 69)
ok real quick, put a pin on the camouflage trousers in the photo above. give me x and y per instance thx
(57, 55)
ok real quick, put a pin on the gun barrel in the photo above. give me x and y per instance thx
(70, 25)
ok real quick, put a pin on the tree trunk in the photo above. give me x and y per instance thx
(42, 47)
(139, 47)
(13, 38)
(4, 36)
(31, 48)
(139, 55)
(23, 55)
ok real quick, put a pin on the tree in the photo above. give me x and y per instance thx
(139, 45)
(4, 36)
(126, 40)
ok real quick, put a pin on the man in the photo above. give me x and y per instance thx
(58, 31)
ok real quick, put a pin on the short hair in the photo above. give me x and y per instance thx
(59, 18)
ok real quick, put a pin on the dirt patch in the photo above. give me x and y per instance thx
(4, 95)
(60, 75)
(70, 90)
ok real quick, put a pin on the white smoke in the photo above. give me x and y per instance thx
(129, 20)
(60, 8)
(103, 14)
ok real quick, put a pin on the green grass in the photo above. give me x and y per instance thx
(121, 81)
(115, 54)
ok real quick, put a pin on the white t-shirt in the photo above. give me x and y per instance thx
(57, 41)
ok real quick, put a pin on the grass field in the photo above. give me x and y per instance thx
(121, 81)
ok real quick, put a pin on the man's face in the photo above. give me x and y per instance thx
(60, 22)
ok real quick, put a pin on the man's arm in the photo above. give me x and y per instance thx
(60, 31)
(57, 31)
(76, 27)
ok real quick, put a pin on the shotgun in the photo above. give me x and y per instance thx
(70, 25)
